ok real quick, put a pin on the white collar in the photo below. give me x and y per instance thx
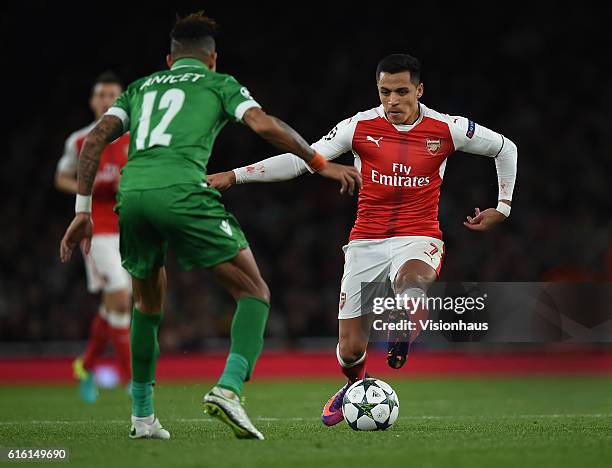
(404, 127)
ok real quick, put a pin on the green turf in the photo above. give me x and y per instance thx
(455, 423)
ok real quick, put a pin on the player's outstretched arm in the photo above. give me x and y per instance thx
(275, 169)
(281, 135)
(108, 129)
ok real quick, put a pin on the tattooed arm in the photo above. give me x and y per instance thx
(108, 129)
(285, 138)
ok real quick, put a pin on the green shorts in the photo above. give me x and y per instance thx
(189, 218)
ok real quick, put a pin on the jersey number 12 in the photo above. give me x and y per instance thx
(172, 100)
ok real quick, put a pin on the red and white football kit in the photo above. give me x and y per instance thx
(402, 167)
(103, 264)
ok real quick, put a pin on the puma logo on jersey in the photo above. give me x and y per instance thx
(374, 140)
(225, 227)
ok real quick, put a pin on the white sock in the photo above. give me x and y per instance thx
(348, 365)
(117, 319)
(145, 419)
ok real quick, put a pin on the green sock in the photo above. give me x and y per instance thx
(235, 372)
(145, 351)
(142, 399)
(248, 328)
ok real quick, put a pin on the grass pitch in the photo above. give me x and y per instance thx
(543, 422)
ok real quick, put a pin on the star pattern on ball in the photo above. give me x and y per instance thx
(364, 409)
(370, 404)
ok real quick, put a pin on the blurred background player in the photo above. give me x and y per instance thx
(103, 262)
(174, 117)
(400, 148)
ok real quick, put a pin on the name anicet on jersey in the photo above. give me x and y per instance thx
(174, 117)
(171, 79)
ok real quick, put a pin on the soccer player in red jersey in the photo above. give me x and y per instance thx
(103, 263)
(400, 149)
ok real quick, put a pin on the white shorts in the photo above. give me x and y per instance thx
(375, 261)
(103, 265)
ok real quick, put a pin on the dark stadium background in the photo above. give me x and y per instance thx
(536, 74)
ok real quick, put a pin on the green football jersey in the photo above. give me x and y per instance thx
(174, 117)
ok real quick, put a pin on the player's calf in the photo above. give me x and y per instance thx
(399, 340)
(119, 332)
(352, 361)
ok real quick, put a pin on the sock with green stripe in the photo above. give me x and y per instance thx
(248, 328)
(145, 351)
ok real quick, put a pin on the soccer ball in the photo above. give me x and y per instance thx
(370, 405)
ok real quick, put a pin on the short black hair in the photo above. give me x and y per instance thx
(397, 63)
(193, 34)
(107, 77)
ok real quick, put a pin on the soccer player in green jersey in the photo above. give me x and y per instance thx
(174, 117)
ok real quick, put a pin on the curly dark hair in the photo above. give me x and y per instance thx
(193, 34)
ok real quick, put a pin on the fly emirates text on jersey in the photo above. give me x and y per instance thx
(400, 178)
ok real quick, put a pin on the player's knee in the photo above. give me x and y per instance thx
(124, 304)
(351, 350)
(149, 293)
(119, 301)
(262, 290)
(148, 305)
(256, 287)
(259, 290)
(406, 280)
